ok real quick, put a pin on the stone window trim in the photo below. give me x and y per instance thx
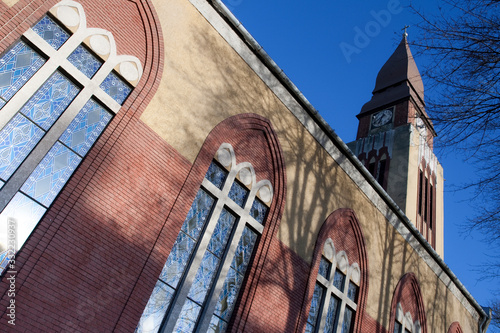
(70, 15)
(341, 219)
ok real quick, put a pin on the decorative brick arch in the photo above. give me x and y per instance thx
(455, 328)
(409, 295)
(343, 228)
(255, 141)
(142, 40)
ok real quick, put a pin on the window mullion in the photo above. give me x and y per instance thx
(341, 315)
(255, 225)
(324, 308)
(41, 44)
(211, 302)
(32, 160)
(193, 268)
(29, 89)
(54, 61)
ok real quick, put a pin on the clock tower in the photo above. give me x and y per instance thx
(395, 143)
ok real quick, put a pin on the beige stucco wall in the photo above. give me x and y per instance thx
(412, 196)
(10, 3)
(440, 211)
(205, 81)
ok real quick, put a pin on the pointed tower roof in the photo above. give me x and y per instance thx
(398, 79)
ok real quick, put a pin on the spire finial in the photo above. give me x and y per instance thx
(405, 34)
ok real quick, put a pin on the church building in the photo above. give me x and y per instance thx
(160, 173)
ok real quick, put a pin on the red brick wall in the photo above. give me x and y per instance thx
(254, 141)
(79, 266)
(364, 126)
(455, 328)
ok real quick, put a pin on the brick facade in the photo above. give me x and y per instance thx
(94, 258)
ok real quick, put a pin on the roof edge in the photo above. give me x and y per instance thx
(257, 49)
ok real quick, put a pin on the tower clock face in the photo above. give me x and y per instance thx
(382, 118)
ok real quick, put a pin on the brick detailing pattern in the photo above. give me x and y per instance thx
(343, 228)
(255, 141)
(86, 252)
(408, 293)
(455, 328)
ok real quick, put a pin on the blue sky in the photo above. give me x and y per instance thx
(320, 48)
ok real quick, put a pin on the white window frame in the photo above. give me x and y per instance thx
(352, 273)
(245, 174)
(71, 15)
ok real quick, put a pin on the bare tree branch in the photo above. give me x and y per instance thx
(463, 40)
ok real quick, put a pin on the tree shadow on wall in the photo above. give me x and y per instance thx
(214, 83)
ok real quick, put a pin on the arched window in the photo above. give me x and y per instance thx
(455, 328)
(334, 303)
(404, 322)
(407, 310)
(200, 282)
(60, 86)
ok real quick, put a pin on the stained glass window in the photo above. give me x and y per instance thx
(228, 295)
(244, 250)
(324, 267)
(347, 323)
(4, 259)
(337, 306)
(34, 165)
(85, 61)
(17, 139)
(86, 127)
(51, 32)
(50, 100)
(156, 308)
(220, 236)
(331, 315)
(186, 240)
(258, 211)
(177, 260)
(404, 323)
(315, 308)
(17, 66)
(352, 292)
(217, 325)
(25, 212)
(51, 174)
(338, 280)
(216, 175)
(116, 88)
(209, 217)
(188, 317)
(198, 214)
(238, 194)
(25, 130)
